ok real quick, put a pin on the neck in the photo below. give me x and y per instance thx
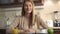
(27, 15)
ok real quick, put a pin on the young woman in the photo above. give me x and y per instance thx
(27, 22)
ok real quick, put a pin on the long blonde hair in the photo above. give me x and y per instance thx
(32, 15)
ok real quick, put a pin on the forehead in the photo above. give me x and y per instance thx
(28, 2)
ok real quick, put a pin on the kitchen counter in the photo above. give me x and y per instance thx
(2, 31)
(56, 30)
(56, 27)
(43, 31)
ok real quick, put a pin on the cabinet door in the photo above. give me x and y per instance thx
(6, 1)
(56, 31)
(19, 2)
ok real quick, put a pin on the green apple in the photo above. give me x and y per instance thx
(50, 31)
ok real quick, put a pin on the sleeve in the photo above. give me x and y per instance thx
(41, 22)
(13, 24)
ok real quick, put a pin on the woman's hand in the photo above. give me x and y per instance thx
(30, 30)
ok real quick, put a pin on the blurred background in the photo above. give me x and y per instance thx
(9, 9)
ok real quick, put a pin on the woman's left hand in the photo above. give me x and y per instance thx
(31, 31)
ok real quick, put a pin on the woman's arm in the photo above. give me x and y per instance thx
(41, 22)
(12, 25)
(44, 25)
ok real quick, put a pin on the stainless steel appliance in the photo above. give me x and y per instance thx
(56, 21)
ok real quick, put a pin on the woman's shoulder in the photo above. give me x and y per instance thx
(19, 16)
(37, 16)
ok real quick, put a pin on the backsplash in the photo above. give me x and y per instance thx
(11, 13)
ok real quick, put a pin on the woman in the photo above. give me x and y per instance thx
(28, 22)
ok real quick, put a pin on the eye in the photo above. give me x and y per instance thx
(25, 5)
(30, 5)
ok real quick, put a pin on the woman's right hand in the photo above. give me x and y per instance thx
(30, 31)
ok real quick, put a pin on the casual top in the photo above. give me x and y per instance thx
(22, 23)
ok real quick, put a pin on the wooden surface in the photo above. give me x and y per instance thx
(56, 27)
(56, 30)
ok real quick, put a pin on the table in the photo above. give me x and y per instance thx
(31, 33)
(42, 31)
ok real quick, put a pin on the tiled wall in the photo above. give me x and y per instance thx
(2, 19)
(49, 8)
(11, 13)
(5, 14)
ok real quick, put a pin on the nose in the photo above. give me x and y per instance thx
(27, 7)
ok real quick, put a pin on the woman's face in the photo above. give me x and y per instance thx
(28, 7)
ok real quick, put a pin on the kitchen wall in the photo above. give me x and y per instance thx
(46, 12)
(7, 14)
(49, 8)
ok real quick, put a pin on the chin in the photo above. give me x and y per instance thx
(29, 12)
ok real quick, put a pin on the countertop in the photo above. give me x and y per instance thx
(56, 27)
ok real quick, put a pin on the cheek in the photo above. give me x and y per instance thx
(28, 9)
(31, 8)
(25, 8)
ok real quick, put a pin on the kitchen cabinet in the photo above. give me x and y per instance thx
(2, 31)
(15, 3)
(56, 30)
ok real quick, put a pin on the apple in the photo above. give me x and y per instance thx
(50, 31)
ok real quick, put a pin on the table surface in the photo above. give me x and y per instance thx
(41, 33)
(30, 33)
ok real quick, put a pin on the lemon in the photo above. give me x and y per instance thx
(15, 31)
